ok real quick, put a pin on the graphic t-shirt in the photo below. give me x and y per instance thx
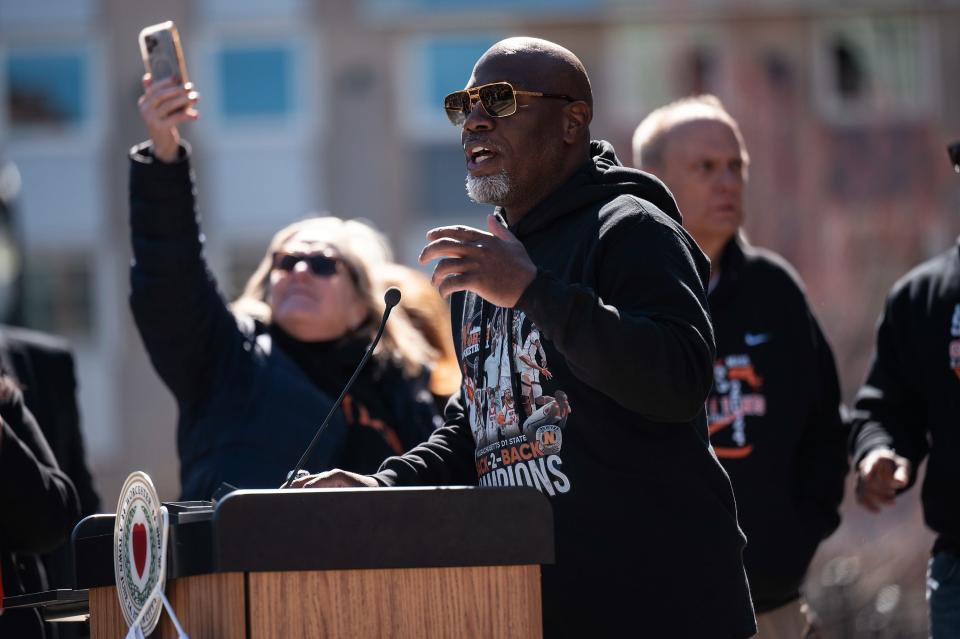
(517, 419)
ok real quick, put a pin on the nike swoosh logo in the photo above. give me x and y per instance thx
(755, 339)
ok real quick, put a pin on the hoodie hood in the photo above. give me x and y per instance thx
(600, 179)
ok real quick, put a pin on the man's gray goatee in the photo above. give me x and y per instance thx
(488, 189)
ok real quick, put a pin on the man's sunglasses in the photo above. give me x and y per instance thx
(499, 99)
(318, 263)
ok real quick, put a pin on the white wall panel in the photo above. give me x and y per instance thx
(61, 200)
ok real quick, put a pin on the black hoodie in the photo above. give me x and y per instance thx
(592, 390)
(775, 420)
(911, 399)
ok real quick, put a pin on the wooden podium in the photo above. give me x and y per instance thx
(391, 562)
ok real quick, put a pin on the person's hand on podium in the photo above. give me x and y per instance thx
(335, 478)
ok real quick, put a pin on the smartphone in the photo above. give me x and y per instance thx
(162, 54)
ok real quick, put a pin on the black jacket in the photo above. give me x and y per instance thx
(911, 399)
(44, 368)
(250, 397)
(592, 390)
(775, 419)
(38, 508)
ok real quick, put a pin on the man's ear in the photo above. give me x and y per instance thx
(577, 118)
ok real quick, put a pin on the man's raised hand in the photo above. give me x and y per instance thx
(493, 264)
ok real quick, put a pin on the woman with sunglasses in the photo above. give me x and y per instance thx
(253, 379)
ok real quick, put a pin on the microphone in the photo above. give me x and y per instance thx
(390, 299)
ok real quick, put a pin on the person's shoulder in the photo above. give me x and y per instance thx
(36, 342)
(627, 207)
(639, 223)
(638, 232)
(912, 299)
(771, 270)
(939, 270)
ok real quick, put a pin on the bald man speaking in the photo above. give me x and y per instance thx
(587, 353)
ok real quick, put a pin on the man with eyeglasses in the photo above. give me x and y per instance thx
(909, 409)
(592, 256)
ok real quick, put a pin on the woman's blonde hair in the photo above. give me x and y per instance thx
(430, 314)
(365, 251)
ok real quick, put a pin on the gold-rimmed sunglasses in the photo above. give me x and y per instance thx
(499, 99)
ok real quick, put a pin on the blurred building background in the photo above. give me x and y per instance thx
(846, 107)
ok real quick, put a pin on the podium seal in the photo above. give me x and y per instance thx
(137, 539)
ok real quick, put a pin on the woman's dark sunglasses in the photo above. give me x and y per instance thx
(499, 99)
(318, 263)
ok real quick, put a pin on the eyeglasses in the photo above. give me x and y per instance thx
(499, 99)
(318, 263)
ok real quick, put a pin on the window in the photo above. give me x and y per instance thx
(449, 64)
(52, 95)
(875, 69)
(225, 11)
(265, 104)
(58, 293)
(255, 82)
(46, 88)
(430, 69)
(665, 63)
(41, 15)
(261, 91)
(400, 9)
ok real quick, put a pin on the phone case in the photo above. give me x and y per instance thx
(161, 51)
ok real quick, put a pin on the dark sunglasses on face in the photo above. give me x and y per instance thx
(318, 263)
(499, 99)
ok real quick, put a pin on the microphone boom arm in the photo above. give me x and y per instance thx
(391, 299)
